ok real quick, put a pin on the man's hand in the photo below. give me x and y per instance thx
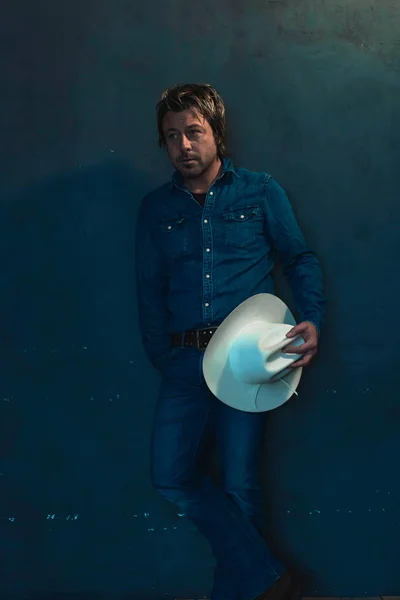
(309, 349)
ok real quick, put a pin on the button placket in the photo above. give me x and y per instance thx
(207, 257)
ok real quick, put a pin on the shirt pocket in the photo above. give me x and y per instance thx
(172, 236)
(243, 226)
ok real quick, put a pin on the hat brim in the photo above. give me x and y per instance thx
(216, 368)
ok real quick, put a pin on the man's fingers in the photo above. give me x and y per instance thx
(309, 347)
(297, 330)
(301, 363)
(304, 361)
(302, 349)
(304, 327)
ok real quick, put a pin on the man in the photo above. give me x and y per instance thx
(204, 244)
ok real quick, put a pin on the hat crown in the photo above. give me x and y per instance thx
(256, 356)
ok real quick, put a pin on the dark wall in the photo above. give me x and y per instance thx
(313, 96)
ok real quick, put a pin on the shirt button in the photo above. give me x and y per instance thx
(207, 249)
(169, 226)
(206, 304)
(211, 193)
(208, 277)
(205, 221)
(242, 216)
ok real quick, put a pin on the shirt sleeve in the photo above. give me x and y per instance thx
(300, 265)
(151, 290)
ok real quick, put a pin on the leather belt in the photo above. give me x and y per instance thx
(196, 338)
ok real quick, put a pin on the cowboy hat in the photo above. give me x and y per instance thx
(244, 364)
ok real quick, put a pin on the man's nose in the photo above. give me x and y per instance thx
(185, 144)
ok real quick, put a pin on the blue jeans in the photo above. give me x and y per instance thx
(230, 517)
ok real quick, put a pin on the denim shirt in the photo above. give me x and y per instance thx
(195, 265)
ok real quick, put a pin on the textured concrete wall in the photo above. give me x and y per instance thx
(313, 96)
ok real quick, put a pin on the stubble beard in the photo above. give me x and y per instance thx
(196, 170)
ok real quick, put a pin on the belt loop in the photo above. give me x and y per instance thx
(197, 340)
(182, 339)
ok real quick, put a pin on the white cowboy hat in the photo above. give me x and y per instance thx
(244, 365)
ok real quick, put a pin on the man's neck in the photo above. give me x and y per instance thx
(202, 184)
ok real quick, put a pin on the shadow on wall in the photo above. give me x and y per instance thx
(69, 425)
(68, 289)
(69, 246)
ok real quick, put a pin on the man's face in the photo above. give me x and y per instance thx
(190, 143)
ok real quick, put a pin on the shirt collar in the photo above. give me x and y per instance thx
(227, 167)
